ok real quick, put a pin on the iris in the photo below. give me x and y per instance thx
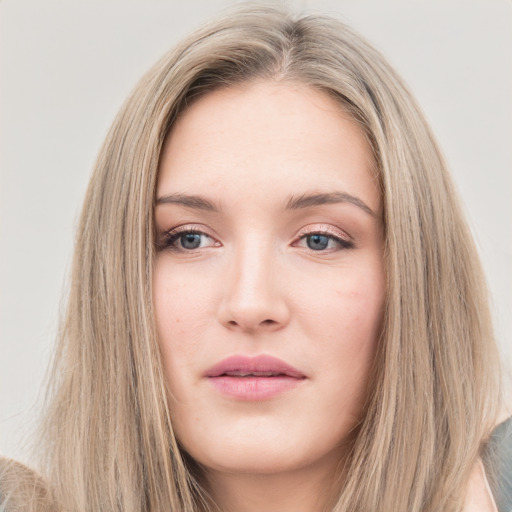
(190, 240)
(317, 242)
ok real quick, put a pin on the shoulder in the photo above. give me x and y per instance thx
(22, 489)
(491, 490)
(498, 453)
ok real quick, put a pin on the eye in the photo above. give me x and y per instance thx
(191, 240)
(323, 241)
(318, 242)
(186, 239)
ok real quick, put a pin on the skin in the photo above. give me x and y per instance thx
(255, 286)
(479, 497)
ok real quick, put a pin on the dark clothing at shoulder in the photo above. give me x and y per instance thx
(499, 450)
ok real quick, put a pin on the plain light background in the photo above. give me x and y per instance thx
(66, 66)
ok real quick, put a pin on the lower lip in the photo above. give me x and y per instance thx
(254, 388)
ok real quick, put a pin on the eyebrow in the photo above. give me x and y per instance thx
(309, 200)
(189, 201)
(294, 203)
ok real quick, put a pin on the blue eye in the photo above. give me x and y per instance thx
(317, 242)
(323, 242)
(187, 240)
(190, 240)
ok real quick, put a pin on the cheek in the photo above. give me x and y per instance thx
(182, 300)
(348, 324)
(181, 311)
(362, 310)
(347, 309)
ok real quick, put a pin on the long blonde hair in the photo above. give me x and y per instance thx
(108, 438)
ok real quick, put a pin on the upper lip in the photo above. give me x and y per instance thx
(262, 365)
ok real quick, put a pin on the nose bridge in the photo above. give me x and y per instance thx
(252, 272)
(253, 298)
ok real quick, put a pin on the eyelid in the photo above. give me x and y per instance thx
(195, 228)
(342, 240)
(325, 229)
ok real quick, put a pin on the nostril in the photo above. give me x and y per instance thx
(237, 313)
(264, 323)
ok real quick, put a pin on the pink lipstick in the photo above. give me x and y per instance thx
(253, 378)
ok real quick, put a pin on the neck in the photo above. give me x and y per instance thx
(308, 489)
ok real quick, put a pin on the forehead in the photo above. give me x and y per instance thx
(267, 138)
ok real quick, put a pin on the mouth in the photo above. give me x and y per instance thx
(237, 373)
(253, 378)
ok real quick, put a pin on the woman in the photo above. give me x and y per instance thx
(276, 303)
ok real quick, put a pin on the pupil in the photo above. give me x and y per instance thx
(190, 240)
(317, 242)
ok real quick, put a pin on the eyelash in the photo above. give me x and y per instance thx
(173, 235)
(343, 242)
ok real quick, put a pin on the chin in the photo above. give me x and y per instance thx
(254, 460)
(262, 454)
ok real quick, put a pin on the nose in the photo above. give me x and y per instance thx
(254, 295)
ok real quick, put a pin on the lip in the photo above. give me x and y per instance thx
(253, 378)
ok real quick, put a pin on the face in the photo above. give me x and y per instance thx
(269, 281)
